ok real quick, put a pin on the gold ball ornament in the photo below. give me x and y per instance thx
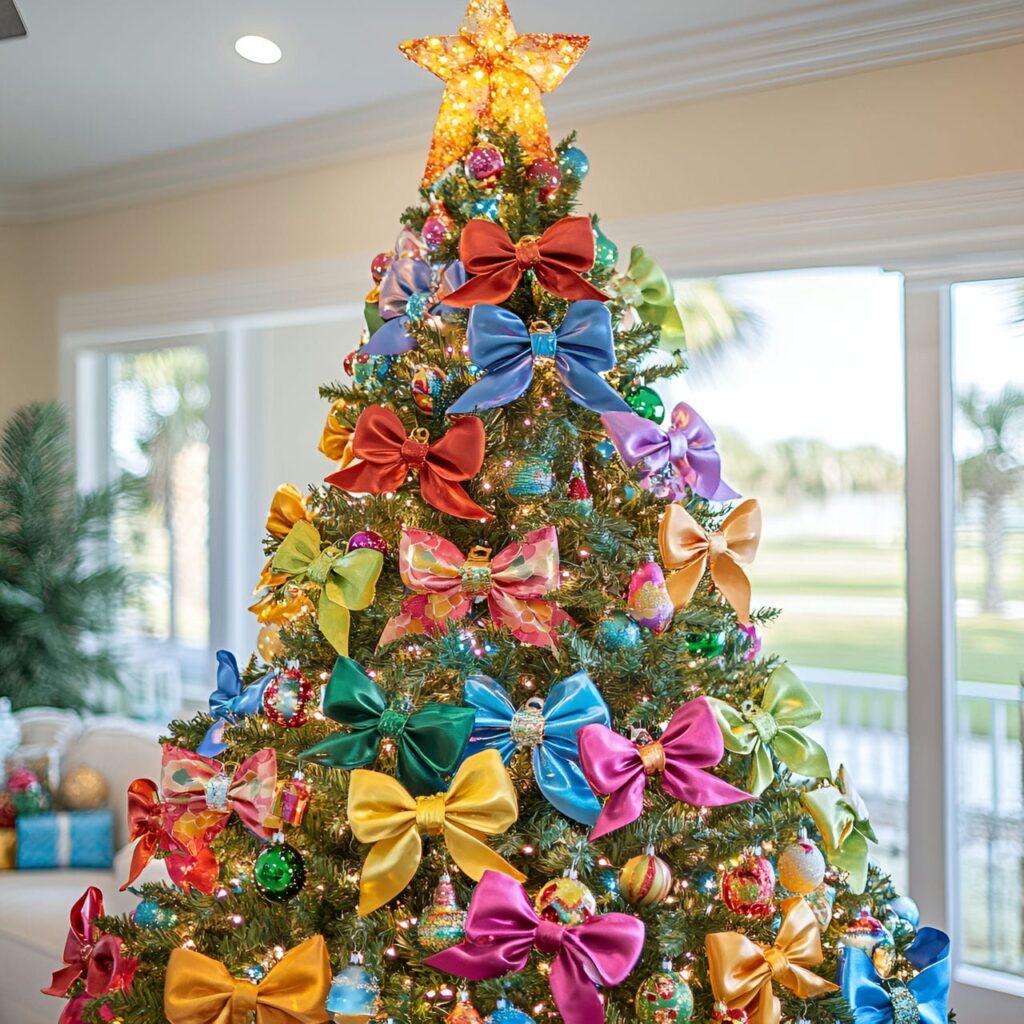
(83, 789)
(565, 901)
(645, 880)
(269, 643)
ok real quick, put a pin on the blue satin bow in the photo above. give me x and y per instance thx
(549, 727)
(229, 702)
(875, 1001)
(582, 348)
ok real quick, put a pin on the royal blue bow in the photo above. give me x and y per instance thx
(582, 348)
(875, 1001)
(550, 728)
(229, 702)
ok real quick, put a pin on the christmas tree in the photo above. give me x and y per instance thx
(511, 746)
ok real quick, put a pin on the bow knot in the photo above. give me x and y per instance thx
(476, 572)
(718, 544)
(549, 937)
(776, 960)
(766, 726)
(527, 252)
(652, 755)
(430, 814)
(320, 568)
(543, 341)
(392, 724)
(905, 1008)
(415, 447)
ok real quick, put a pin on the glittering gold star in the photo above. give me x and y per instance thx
(492, 74)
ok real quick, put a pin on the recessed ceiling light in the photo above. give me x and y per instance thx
(258, 50)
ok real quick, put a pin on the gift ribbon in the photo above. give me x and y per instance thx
(230, 701)
(646, 287)
(502, 927)
(550, 728)
(481, 801)
(287, 507)
(687, 549)
(389, 455)
(199, 990)
(558, 258)
(620, 769)
(842, 818)
(429, 742)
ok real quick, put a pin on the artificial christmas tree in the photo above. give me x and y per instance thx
(549, 772)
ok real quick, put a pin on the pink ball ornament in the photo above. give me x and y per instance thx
(544, 174)
(435, 230)
(749, 888)
(484, 165)
(379, 265)
(648, 601)
(368, 539)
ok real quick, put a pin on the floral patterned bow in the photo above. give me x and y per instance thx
(842, 818)
(445, 583)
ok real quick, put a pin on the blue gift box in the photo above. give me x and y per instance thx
(68, 839)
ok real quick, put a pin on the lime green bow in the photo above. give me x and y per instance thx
(646, 287)
(842, 819)
(346, 582)
(787, 707)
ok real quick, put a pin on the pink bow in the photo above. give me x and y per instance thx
(446, 582)
(502, 927)
(98, 959)
(618, 768)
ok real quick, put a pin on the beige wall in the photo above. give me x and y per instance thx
(949, 118)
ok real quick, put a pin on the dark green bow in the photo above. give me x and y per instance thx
(429, 742)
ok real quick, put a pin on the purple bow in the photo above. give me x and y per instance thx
(502, 927)
(682, 456)
(618, 768)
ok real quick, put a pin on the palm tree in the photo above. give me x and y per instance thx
(716, 325)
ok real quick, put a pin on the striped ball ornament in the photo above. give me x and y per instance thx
(645, 880)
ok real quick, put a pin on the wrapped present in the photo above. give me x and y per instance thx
(68, 839)
(8, 848)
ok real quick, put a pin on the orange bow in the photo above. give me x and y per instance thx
(286, 509)
(741, 971)
(688, 549)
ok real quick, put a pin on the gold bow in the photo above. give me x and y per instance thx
(199, 990)
(741, 971)
(481, 801)
(287, 508)
(336, 439)
(688, 549)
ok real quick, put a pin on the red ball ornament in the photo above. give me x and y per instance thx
(368, 539)
(349, 363)
(379, 265)
(288, 698)
(748, 888)
(544, 174)
(484, 165)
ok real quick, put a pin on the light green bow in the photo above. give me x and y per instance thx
(347, 581)
(787, 707)
(842, 819)
(646, 287)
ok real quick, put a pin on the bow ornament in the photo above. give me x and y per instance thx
(230, 702)
(842, 818)
(336, 439)
(774, 727)
(549, 728)
(616, 767)
(741, 971)
(347, 580)
(502, 927)
(446, 583)
(558, 258)
(646, 287)
(199, 990)
(688, 550)
(481, 801)
(429, 742)
(287, 508)
(389, 455)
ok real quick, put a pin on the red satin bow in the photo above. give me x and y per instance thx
(98, 960)
(388, 455)
(445, 584)
(558, 258)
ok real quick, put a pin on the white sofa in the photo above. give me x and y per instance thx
(34, 905)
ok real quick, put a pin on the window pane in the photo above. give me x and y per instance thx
(988, 346)
(807, 402)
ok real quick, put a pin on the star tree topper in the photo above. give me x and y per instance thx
(492, 74)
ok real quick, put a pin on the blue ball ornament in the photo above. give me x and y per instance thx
(617, 632)
(604, 451)
(504, 1013)
(486, 208)
(256, 973)
(151, 915)
(905, 908)
(574, 163)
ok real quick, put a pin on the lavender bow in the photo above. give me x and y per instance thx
(682, 456)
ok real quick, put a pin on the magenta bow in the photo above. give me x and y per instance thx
(502, 927)
(618, 768)
(96, 958)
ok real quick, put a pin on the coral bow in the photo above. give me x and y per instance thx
(558, 258)
(445, 584)
(741, 971)
(687, 549)
(230, 701)
(389, 455)
(199, 990)
(502, 927)
(96, 958)
(617, 767)
(480, 802)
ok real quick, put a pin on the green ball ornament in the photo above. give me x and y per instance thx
(706, 645)
(279, 871)
(664, 998)
(606, 252)
(646, 402)
(617, 632)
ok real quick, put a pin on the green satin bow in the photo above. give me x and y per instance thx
(347, 581)
(842, 819)
(646, 287)
(787, 707)
(430, 741)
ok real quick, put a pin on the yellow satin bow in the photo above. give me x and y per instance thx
(741, 972)
(481, 801)
(688, 549)
(199, 990)
(336, 439)
(287, 508)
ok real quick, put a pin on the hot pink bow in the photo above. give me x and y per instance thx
(502, 927)
(446, 582)
(96, 958)
(618, 768)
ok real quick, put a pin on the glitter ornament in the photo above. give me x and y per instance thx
(706, 645)
(152, 916)
(484, 165)
(464, 1012)
(648, 601)
(506, 1013)
(721, 1012)
(544, 174)
(801, 866)
(279, 871)
(443, 923)
(565, 901)
(425, 387)
(617, 632)
(368, 539)
(379, 265)
(293, 799)
(83, 789)
(867, 933)
(288, 699)
(531, 477)
(371, 369)
(645, 880)
(606, 252)
(604, 451)
(485, 208)
(269, 643)
(664, 998)
(574, 163)
(748, 888)
(904, 907)
(354, 997)
(578, 491)
(646, 402)
(821, 901)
